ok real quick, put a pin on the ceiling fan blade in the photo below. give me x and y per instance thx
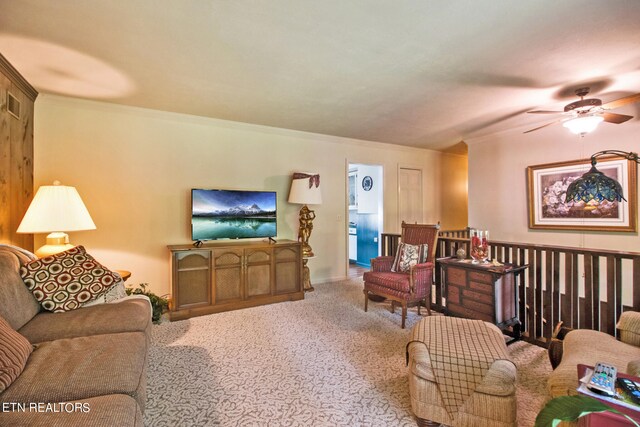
(622, 101)
(616, 118)
(543, 126)
(545, 112)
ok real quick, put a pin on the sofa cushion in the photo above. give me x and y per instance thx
(129, 315)
(79, 368)
(393, 281)
(409, 255)
(14, 352)
(104, 411)
(17, 304)
(65, 281)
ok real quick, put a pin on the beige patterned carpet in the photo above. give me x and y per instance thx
(318, 362)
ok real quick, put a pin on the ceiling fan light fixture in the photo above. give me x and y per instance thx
(583, 124)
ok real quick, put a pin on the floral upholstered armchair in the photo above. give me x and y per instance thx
(407, 277)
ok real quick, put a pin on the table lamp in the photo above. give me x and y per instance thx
(56, 209)
(305, 190)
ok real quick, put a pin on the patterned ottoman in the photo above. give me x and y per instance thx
(460, 374)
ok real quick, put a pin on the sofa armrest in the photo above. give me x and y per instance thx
(382, 263)
(629, 327)
(633, 368)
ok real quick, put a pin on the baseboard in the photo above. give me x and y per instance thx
(330, 280)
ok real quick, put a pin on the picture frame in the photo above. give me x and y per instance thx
(548, 209)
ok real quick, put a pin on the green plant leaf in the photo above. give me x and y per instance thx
(569, 408)
(158, 304)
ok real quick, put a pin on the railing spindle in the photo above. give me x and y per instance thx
(618, 291)
(575, 292)
(636, 284)
(555, 313)
(609, 317)
(547, 307)
(566, 313)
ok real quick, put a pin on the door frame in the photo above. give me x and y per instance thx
(346, 207)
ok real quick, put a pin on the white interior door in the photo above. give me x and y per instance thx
(410, 195)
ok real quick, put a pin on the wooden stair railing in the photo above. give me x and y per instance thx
(583, 288)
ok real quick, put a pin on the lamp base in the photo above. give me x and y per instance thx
(306, 276)
(56, 242)
(304, 232)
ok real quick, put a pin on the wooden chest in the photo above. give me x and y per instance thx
(481, 291)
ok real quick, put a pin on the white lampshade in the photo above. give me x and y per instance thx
(305, 189)
(56, 208)
(584, 124)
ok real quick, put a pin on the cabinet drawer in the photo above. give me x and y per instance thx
(469, 314)
(457, 276)
(453, 294)
(477, 296)
(481, 287)
(478, 307)
(480, 277)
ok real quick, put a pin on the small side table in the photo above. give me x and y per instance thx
(124, 274)
(306, 275)
(483, 291)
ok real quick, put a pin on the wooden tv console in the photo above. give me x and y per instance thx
(229, 275)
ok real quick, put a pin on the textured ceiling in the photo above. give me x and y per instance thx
(420, 73)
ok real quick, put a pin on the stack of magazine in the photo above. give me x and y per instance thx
(621, 397)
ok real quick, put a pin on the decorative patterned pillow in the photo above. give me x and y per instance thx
(15, 350)
(408, 256)
(65, 281)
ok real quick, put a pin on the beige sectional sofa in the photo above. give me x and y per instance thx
(93, 358)
(588, 347)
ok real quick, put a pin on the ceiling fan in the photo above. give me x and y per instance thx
(585, 115)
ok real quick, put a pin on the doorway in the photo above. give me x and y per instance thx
(365, 206)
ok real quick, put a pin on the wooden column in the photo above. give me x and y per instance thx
(17, 98)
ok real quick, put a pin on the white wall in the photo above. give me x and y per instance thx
(368, 200)
(135, 167)
(498, 183)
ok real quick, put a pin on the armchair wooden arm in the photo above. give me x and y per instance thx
(422, 274)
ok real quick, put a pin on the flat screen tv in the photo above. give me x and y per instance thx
(232, 214)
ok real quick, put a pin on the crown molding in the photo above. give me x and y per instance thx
(16, 78)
